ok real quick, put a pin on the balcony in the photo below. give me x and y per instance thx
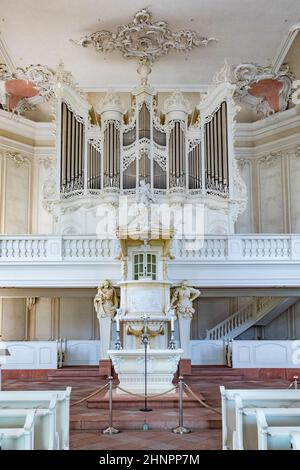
(215, 261)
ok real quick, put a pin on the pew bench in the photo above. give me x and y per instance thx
(45, 434)
(295, 440)
(42, 400)
(278, 428)
(256, 398)
(17, 429)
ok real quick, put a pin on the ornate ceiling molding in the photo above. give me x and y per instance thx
(144, 38)
(247, 75)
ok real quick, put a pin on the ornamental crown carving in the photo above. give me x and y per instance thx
(110, 101)
(144, 38)
(176, 101)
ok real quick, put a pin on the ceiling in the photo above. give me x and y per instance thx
(39, 31)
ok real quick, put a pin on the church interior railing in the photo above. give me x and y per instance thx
(211, 248)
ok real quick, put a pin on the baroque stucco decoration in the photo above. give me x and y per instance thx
(18, 158)
(144, 38)
(39, 76)
(248, 76)
(42, 80)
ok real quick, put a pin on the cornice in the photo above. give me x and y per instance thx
(36, 132)
(285, 147)
(167, 88)
(7, 145)
(280, 122)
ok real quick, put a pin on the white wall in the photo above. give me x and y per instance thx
(23, 179)
(273, 186)
(49, 319)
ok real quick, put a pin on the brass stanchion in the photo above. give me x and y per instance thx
(181, 429)
(110, 430)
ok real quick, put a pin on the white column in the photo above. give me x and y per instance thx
(105, 336)
(184, 335)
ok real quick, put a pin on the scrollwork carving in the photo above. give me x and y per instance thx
(246, 75)
(144, 38)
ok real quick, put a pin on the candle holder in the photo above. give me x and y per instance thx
(118, 345)
(172, 344)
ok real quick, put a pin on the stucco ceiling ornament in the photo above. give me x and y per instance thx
(39, 77)
(246, 76)
(144, 38)
(42, 80)
(223, 75)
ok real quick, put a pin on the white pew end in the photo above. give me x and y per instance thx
(275, 427)
(295, 440)
(255, 398)
(38, 399)
(17, 430)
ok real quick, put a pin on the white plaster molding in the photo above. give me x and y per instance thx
(285, 47)
(144, 38)
(5, 53)
(26, 128)
(288, 146)
(7, 145)
(167, 88)
(248, 74)
(285, 120)
(18, 158)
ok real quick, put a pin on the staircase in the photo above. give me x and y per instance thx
(260, 311)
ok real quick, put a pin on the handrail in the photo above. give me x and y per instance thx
(211, 248)
(243, 318)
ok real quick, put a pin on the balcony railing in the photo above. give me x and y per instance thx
(218, 249)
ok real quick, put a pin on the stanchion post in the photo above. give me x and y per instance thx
(181, 429)
(110, 430)
(295, 382)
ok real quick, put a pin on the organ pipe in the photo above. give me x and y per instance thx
(111, 155)
(177, 155)
(216, 151)
(225, 145)
(72, 139)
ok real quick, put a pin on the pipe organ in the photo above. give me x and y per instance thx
(168, 151)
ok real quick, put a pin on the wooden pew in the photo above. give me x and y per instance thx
(17, 430)
(38, 399)
(255, 398)
(278, 428)
(45, 434)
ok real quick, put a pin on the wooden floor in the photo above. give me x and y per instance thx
(87, 423)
